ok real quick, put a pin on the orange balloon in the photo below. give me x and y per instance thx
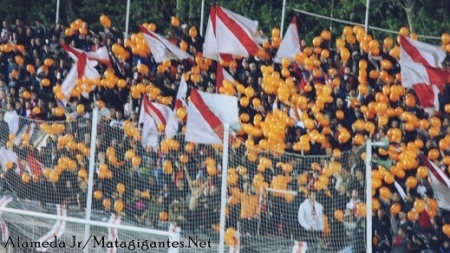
(120, 188)
(163, 216)
(107, 203)
(395, 208)
(118, 205)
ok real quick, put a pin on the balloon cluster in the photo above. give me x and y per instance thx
(77, 27)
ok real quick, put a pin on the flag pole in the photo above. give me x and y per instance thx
(223, 197)
(366, 23)
(127, 19)
(283, 13)
(90, 182)
(368, 175)
(201, 17)
(57, 11)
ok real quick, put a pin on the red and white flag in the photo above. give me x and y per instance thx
(422, 70)
(290, 45)
(229, 33)
(179, 103)
(85, 64)
(150, 134)
(56, 231)
(221, 76)
(440, 183)
(206, 115)
(181, 95)
(162, 49)
(158, 114)
(100, 55)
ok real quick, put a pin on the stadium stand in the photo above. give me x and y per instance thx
(281, 158)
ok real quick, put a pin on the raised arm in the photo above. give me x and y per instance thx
(188, 178)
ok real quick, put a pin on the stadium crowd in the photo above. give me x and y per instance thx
(346, 99)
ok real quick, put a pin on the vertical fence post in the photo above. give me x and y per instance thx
(95, 121)
(223, 191)
(368, 176)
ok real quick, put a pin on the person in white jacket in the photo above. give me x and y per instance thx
(310, 214)
(12, 118)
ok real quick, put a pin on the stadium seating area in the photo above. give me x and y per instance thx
(346, 91)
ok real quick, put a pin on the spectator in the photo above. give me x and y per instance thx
(151, 215)
(177, 214)
(12, 119)
(310, 216)
(445, 247)
(4, 130)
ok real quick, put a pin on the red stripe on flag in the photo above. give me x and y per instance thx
(210, 118)
(432, 168)
(213, 18)
(72, 50)
(425, 94)
(59, 226)
(144, 30)
(237, 30)
(219, 78)
(34, 165)
(178, 105)
(438, 77)
(81, 65)
(151, 110)
(412, 51)
(294, 21)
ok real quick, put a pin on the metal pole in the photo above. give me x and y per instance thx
(368, 195)
(202, 18)
(83, 221)
(354, 23)
(91, 177)
(223, 201)
(366, 24)
(283, 13)
(331, 22)
(127, 20)
(57, 11)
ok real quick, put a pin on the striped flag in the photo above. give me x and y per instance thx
(290, 45)
(228, 34)
(56, 231)
(440, 183)
(179, 103)
(206, 115)
(84, 67)
(221, 76)
(422, 70)
(162, 49)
